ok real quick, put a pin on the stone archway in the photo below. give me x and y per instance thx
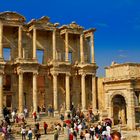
(119, 109)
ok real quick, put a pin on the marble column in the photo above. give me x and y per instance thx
(83, 97)
(67, 92)
(20, 88)
(131, 110)
(92, 48)
(94, 94)
(1, 43)
(34, 43)
(35, 104)
(55, 93)
(82, 48)
(54, 43)
(1, 94)
(19, 42)
(66, 47)
(139, 99)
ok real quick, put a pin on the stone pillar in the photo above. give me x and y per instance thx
(109, 106)
(94, 94)
(35, 91)
(82, 48)
(1, 95)
(83, 97)
(54, 43)
(92, 48)
(20, 88)
(19, 42)
(131, 122)
(34, 43)
(55, 94)
(1, 44)
(67, 93)
(123, 117)
(139, 99)
(66, 47)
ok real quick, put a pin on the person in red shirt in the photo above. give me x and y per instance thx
(34, 116)
(45, 127)
(71, 136)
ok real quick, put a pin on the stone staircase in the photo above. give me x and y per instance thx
(51, 121)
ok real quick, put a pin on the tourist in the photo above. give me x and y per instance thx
(56, 135)
(96, 137)
(34, 116)
(79, 128)
(23, 133)
(13, 114)
(92, 132)
(37, 126)
(45, 127)
(38, 135)
(35, 131)
(74, 135)
(108, 129)
(71, 135)
(87, 135)
(25, 112)
(43, 108)
(82, 137)
(61, 117)
(30, 134)
(66, 132)
(116, 135)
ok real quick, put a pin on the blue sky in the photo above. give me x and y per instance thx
(117, 22)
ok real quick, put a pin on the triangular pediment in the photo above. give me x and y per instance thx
(12, 16)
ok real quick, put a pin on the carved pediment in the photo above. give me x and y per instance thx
(43, 19)
(12, 16)
(74, 25)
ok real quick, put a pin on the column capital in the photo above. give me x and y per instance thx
(83, 74)
(82, 35)
(20, 26)
(54, 73)
(93, 75)
(68, 74)
(20, 72)
(35, 73)
(54, 30)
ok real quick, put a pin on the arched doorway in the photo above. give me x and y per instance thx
(119, 109)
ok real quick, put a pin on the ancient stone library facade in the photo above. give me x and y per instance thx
(43, 63)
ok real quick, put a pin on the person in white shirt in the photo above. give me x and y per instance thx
(87, 135)
(79, 128)
(23, 132)
(30, 133)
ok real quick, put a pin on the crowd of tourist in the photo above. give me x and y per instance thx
(78, 125)
(74, 125)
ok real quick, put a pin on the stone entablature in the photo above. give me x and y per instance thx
(120, 72)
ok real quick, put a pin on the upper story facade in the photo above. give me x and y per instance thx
(42, 42)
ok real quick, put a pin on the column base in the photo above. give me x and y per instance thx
(56, 113)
